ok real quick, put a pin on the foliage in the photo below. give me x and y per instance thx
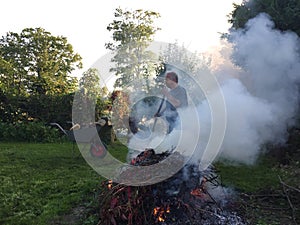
(190, 67)
(285, 14)
(88, 110)
(182, 58)
(44, 108)
(35, 62)
(89, 83)
(36, 87)
(35, 78)
(91, 101)
(29, 132)
(40, 183)
(132, 34)
(120, 110)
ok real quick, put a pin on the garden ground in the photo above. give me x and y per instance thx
(45, 184)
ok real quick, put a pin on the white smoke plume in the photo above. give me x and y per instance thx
(261, 95)
(259, 75)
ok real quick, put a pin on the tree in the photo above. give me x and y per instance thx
(285, 14)
(6, 76)
(180, 57)
(37, 63)
(89, 83)
(132, 34)
(190, 67)
(91, 100)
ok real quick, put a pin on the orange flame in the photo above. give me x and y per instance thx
(159, 212)
(199, 191)
(109, 185)
(168, 209)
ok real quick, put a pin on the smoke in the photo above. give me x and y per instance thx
(258, 73)
(249, 125)
(261, 93)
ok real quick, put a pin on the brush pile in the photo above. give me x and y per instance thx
(189, 197)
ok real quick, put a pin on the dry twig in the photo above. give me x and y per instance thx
(288, 199)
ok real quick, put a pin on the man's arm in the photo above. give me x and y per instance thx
(174, 101)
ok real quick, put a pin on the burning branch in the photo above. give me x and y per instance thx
(160, 213)
(180, 199)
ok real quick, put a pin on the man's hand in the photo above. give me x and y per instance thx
(175, 102)
(165, 91)
(157, 114)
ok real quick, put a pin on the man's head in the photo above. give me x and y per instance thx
(171, 80)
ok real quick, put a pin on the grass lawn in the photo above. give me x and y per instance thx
(250, 178)
(40, 182)
(263, 200)
(45, 184)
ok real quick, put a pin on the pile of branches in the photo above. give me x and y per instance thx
(275, 206)
(181, 199)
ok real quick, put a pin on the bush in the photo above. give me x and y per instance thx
(29, 132)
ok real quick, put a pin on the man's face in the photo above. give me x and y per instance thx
(169, 82)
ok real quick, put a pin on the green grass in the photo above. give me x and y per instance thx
(42, 181)
(262, 200)
(250, 178)
(118, 150)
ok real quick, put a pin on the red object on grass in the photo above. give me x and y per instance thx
(98, 150)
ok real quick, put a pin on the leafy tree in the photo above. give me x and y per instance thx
(285, 14)
(35, 62)
(132, 33)
(89, 83)
(6, 76)
(190, 67)
(180, 57)
(91, 100)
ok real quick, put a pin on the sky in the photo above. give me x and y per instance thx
(194, 23)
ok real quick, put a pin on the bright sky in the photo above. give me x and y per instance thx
(194, 23)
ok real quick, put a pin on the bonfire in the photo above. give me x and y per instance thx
(190, 197)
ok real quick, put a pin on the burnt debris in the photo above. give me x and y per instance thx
(190, 197)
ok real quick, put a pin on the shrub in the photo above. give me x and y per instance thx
(29, 132)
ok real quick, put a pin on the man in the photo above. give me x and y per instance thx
(175, 98)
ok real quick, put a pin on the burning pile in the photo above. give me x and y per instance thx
(189, 197)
